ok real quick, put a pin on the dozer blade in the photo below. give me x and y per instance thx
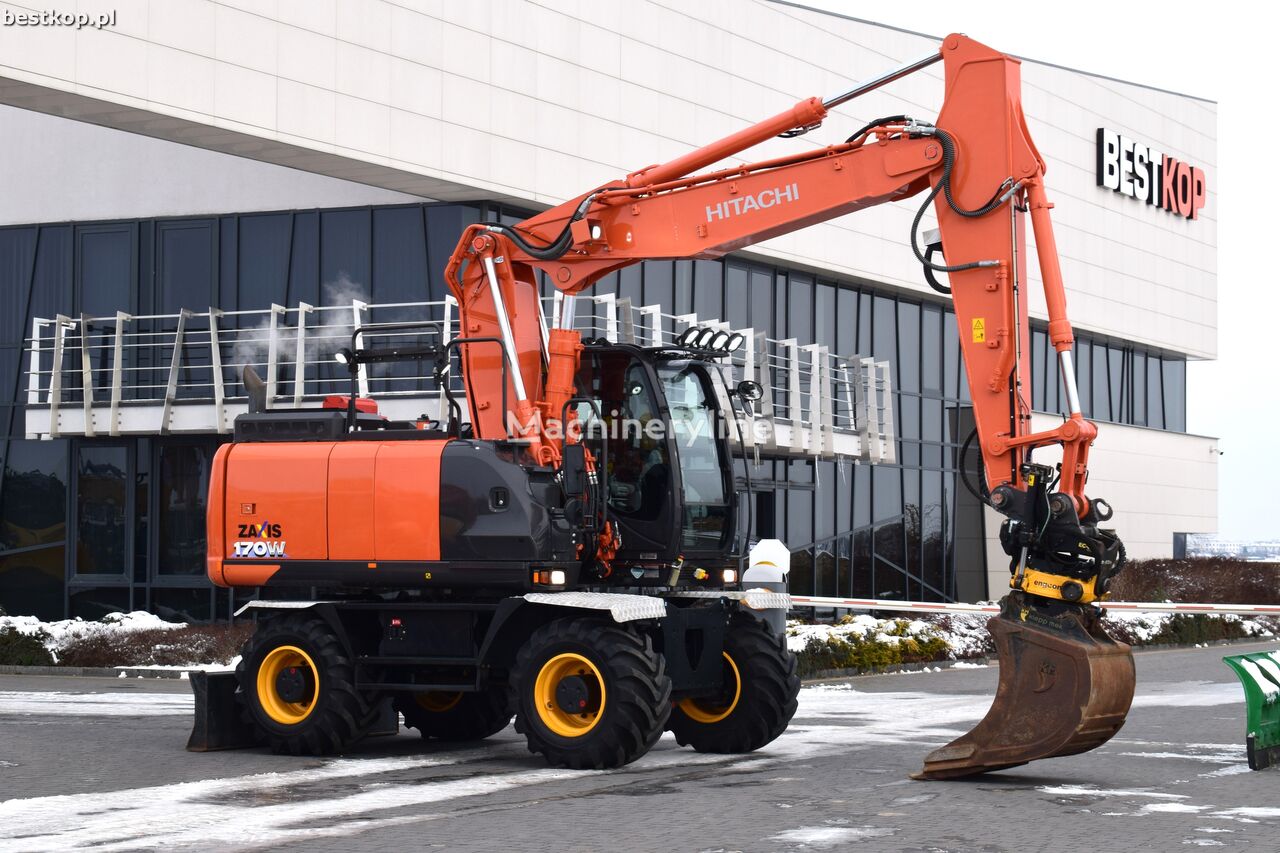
(1065, 687)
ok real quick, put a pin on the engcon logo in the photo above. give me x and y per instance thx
(747, 203)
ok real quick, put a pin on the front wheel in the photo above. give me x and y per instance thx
(590, 694)
(757, 698)
(298, 686)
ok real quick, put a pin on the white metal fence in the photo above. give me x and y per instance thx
(182, 373)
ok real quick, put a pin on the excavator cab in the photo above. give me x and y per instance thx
(668, 465)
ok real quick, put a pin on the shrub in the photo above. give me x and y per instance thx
(898, 643)
(1213, 580)
(158, 646)
(19, 649)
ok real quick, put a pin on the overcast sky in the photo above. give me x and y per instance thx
(1225, 54)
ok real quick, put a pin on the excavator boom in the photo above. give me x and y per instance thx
(1065, 686)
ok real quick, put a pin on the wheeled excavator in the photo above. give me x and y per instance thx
(498, 562)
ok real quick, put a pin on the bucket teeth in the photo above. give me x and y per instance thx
(1065, 687)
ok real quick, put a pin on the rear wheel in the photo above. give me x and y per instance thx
(590, 694)
(298, 686)
(757, 698)
(456, 716)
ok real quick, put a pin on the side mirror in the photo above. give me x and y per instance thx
(749, 390)
(573, 468)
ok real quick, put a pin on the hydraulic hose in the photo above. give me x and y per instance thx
(556, 248)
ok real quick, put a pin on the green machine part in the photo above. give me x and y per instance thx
(1259, 674)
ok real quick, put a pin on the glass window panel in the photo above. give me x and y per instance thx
(884, 338)
(861, 495)
(186, 265)
(141, 510)
(864, 324)
(181, 489)
(1038, 341)
(825, 314)
(346, 251)
(737, 296)
(951, 358)
(708, 288)
(846, 322)
(931, 350)
(659, 283)
(906, 410)
(263, 263)
(1175, 394)
(1052, 378)
(33, 583)
(399, 255)
(683, 300)
(106, 269)
(629, 284)
(182, 605)
(33, 505)
(1155, 396)
(761, 316)
(101, 510)
(825, 507)
(1138, 370)
(92, 603)
(886, 492)
(1119, 387)
(1084, 375)
(800, 308)
(931, 420)
(908, 347)
(1101, 384)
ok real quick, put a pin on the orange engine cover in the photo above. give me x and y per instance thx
(276, 502)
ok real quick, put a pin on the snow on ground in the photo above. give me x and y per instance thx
(58, 635)
(965, 634)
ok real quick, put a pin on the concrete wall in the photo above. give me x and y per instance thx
(56, 169)
(537, 101)
(1158, 482)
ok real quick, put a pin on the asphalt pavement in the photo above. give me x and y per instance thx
(99, 763)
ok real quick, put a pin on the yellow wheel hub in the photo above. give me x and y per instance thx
(437, 701)
(569, 695)
(709, 709)
(291, 671)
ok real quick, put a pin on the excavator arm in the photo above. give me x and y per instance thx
(982, 175)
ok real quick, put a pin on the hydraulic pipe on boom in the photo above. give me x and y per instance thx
(1065, 685)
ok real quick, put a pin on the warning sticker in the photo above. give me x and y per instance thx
(979, 330)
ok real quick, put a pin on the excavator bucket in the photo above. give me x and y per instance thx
(1259, 674)
(1065, 687)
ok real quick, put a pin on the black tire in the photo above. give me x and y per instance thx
(456, 717)
(764, 705)
(621, 680)
(331, 716)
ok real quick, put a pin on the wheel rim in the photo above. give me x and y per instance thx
(569, 695)
(280, 669)
(709, 709)
(437, 701)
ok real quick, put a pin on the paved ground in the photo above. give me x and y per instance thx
(99, 763)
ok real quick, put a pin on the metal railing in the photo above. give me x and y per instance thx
(182, 373)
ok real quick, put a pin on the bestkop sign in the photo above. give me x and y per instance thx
(1142, 172)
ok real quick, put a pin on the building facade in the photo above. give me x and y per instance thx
(206, 154)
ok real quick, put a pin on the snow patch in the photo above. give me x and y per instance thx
(127, 704)
(829, 836)
(58, 635)
(1092, 791)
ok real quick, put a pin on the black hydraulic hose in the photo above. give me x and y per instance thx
(928, 272)
(964, 469)
(878, 122)
(557, 247)
(1002, 194)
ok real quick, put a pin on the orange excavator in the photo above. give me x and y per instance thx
(507, 564)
